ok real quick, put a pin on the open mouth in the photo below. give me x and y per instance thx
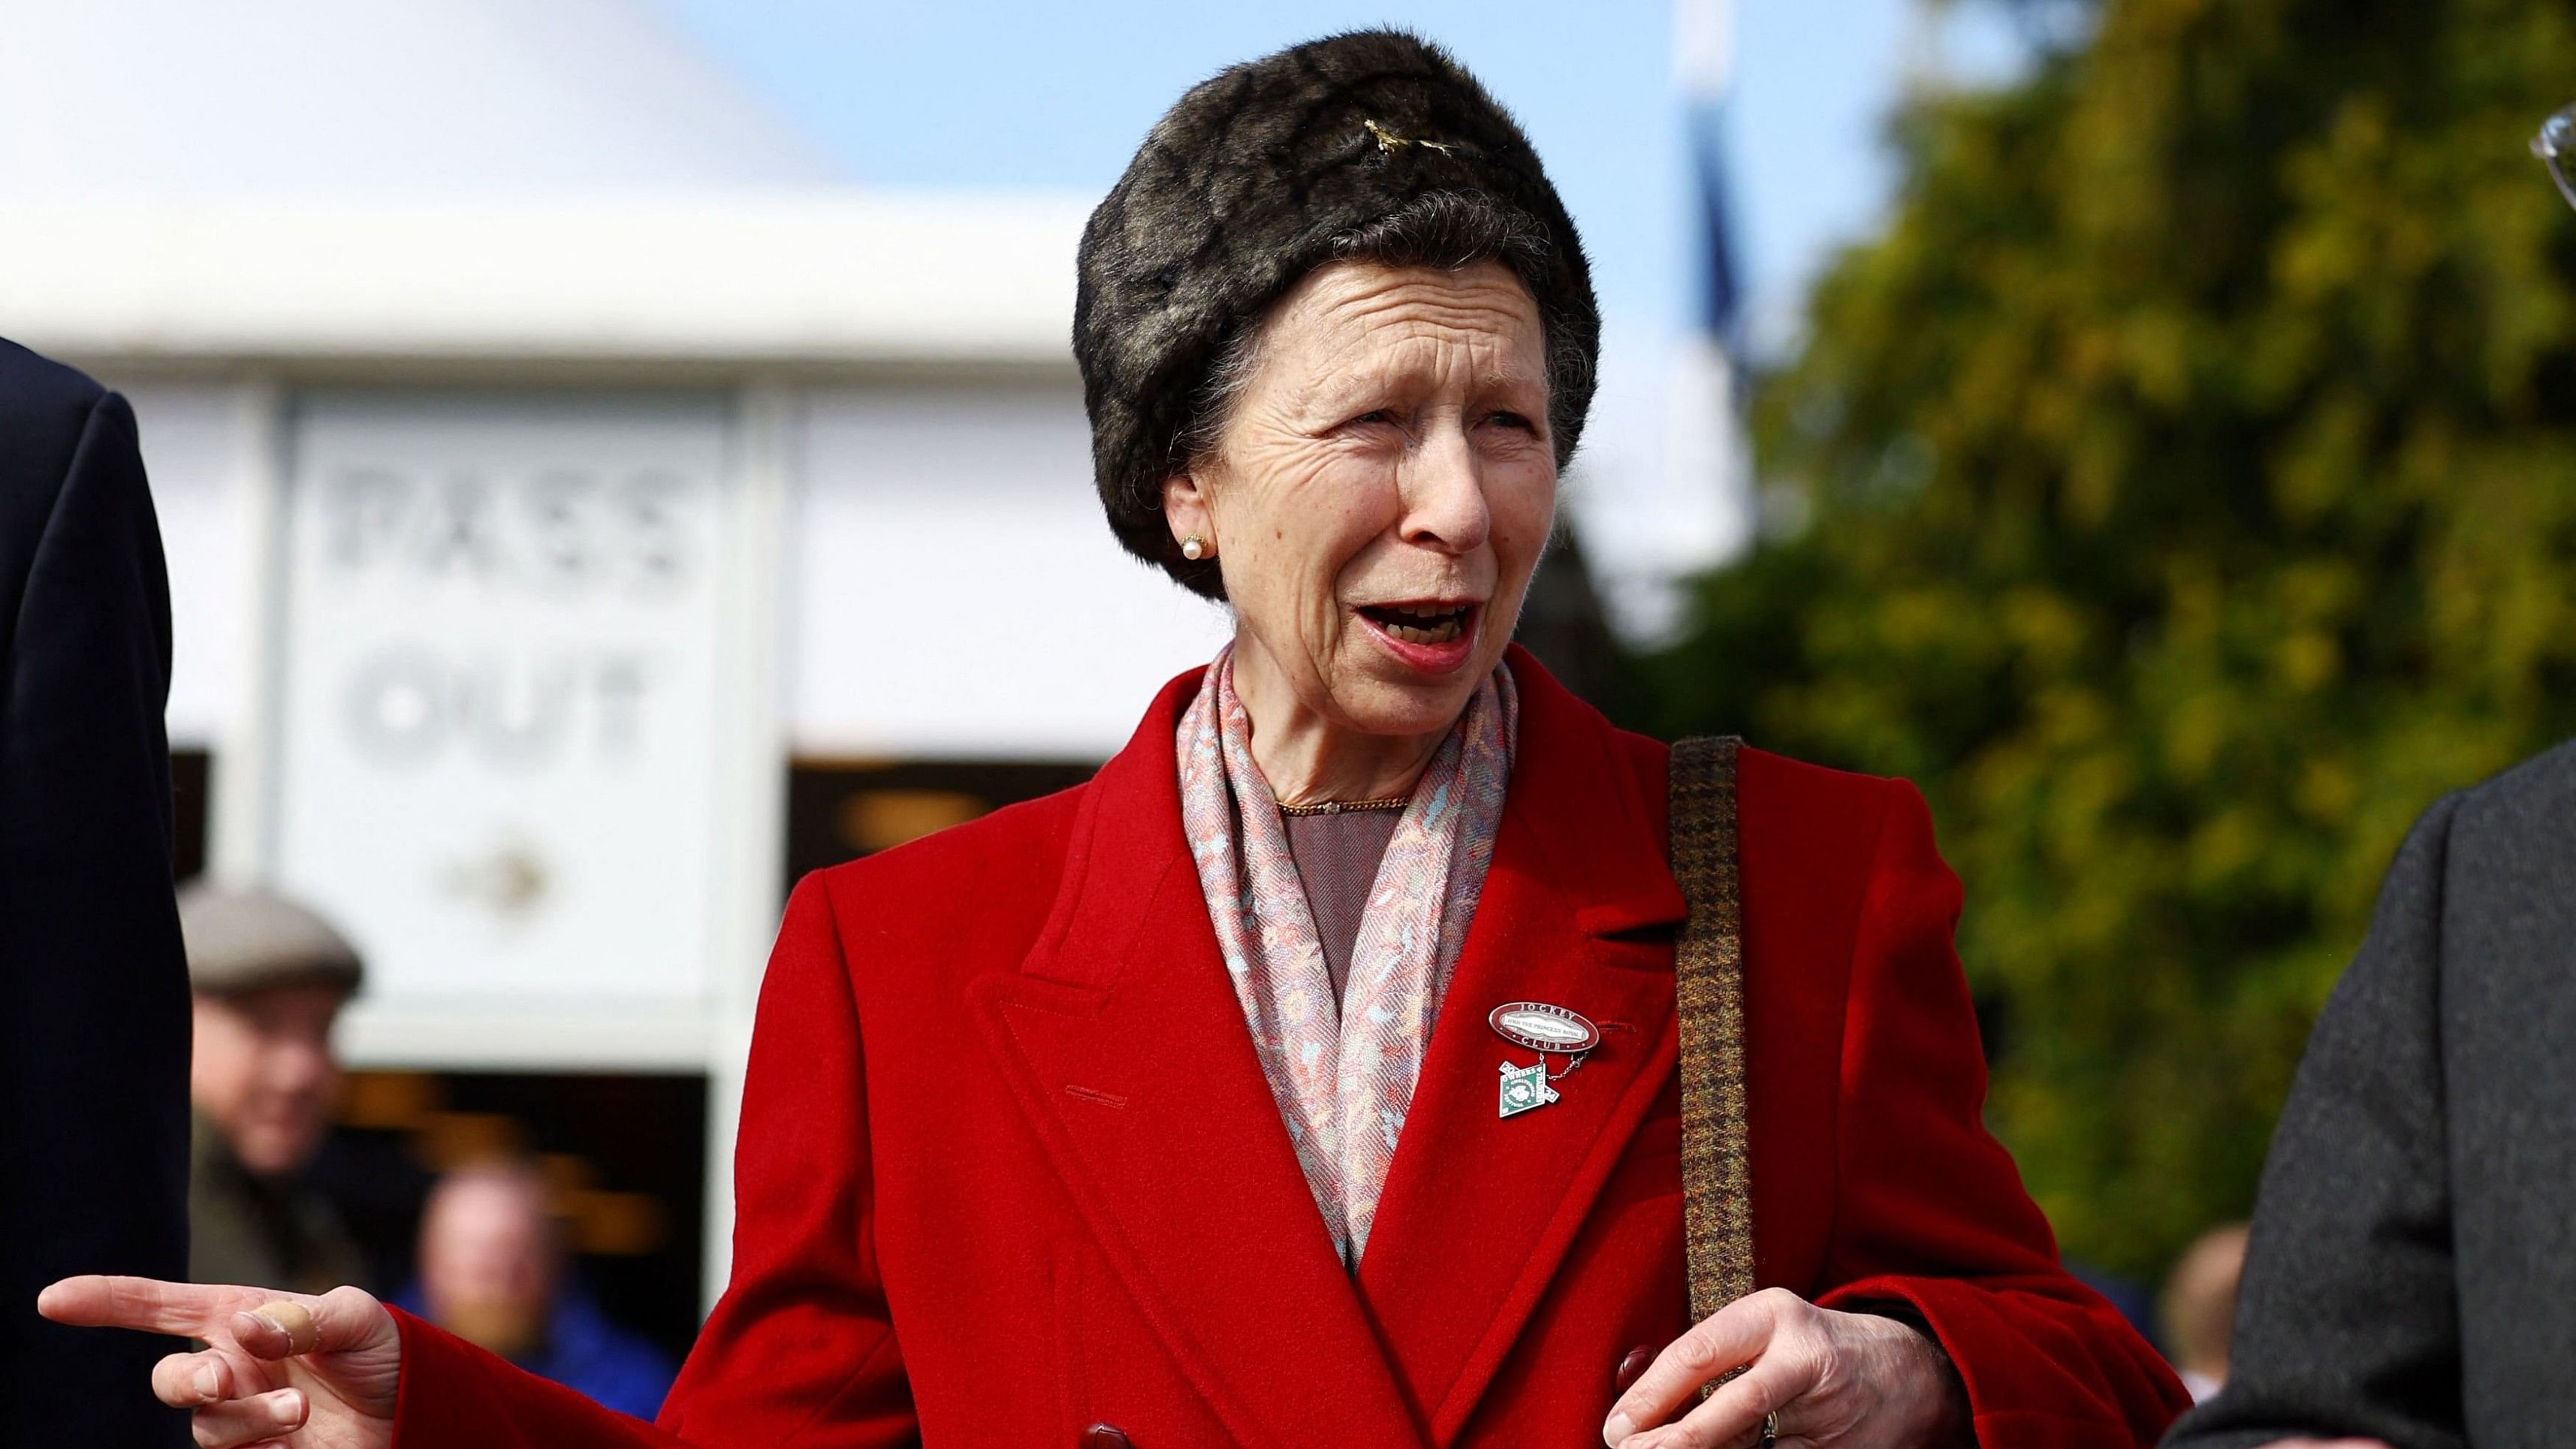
(1421, 623)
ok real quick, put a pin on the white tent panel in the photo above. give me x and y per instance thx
(957, 592)
(172, 98)
(787, 278)
(205, 446)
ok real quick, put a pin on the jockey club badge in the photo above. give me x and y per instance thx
(1548, 1031)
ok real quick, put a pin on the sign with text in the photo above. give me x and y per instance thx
(499, 726)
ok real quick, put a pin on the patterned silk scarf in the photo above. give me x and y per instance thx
(1343, 1074)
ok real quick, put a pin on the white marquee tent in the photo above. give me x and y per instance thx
(548, 448)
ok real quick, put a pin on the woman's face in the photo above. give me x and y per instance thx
(1382, 489)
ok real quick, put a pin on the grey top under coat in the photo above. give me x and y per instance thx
(1337, 859)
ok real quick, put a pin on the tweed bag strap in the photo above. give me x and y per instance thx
(1717, 1200)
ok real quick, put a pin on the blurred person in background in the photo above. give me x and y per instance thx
(2411, 1275)
(1080, 1123)
(270, 978)
(494, 1272)
(93, 996)
(2198, 1304)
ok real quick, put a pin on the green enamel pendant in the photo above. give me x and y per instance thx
(1525, 1089)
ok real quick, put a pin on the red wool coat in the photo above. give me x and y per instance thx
(1008, 1168)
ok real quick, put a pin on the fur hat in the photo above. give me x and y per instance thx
(1244, 187)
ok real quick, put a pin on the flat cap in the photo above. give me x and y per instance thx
(1248, 183)
(246, 939)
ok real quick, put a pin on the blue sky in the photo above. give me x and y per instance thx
(979, 95)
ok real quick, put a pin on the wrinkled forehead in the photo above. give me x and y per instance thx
(1360, 317)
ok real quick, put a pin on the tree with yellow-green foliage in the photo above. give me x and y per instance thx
(2182, 490)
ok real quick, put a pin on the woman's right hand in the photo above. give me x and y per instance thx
(278, 1368)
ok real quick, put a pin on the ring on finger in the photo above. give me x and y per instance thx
(1770, 1429)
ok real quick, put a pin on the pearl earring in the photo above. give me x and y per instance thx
(1194, 548)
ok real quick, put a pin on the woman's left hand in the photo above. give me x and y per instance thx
(1846, 1380)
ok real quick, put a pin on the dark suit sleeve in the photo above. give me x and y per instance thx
(2346, 1321)
(93, 990)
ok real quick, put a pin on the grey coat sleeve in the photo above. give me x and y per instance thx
(94, 1017)
(2346, 1323)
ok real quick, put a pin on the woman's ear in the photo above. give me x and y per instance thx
(1186, 513)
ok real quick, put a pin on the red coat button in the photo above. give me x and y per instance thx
(1639, 1359)
(1105, 1436)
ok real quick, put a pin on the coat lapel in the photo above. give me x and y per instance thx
(1125, 1046)
(1478, 1211)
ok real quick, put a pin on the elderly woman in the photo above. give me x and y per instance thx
(1163, 1112)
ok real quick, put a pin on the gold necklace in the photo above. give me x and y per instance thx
(1345, 807)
